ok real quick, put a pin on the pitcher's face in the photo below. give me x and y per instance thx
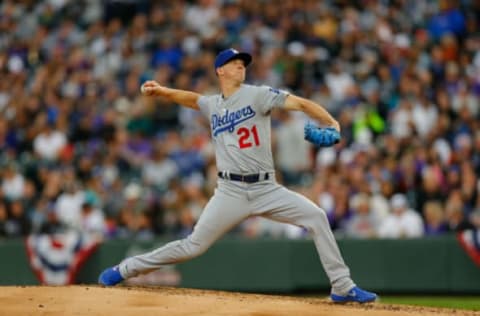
(233, 70)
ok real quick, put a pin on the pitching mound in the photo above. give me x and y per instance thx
(135, 301)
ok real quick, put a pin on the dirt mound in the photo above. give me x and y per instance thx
(139, 301)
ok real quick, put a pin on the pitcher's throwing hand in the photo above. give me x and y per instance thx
(151, 88)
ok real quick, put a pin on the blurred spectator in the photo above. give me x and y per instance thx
(294, 168)
(3, 219)
(160, 169)
(18, 223)
(92, 218)
(434, 215)
(475, 219)
(52, 225)
(362, 224)
(8, 137)
(469, 186)
(49, 142)
(133, 195)
(340, 213)
(338, 81)
(455, 216)
(188, 159)
(430, 189)
(203, 17)
(449, 19)
(124, 227)
(403, 222)
(69, 204)
(13, 183)
(144, 229)
(424, 116)
(402, 120)
(186, 222)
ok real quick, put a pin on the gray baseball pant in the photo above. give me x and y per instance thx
(233, 202)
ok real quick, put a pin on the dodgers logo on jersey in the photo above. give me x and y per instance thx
(228, 121)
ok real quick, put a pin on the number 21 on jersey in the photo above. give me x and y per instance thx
(248, 137)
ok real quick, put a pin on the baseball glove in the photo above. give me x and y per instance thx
(321, 136)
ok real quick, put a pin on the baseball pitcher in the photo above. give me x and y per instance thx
(241, 133)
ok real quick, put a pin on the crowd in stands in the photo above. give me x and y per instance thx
(81, 148)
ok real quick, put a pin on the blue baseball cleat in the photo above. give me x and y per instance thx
(354, 295)
(110, 276)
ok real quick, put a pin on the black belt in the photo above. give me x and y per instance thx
(249, 178)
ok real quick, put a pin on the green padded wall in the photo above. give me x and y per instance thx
(427, 265)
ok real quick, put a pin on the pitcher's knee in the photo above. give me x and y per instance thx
(194, 249)
(317, 220)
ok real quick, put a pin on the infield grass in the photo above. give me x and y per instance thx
(460, 302)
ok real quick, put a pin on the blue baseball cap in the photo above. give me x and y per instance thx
(230, 54)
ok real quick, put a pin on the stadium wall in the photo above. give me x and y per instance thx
(427, 265)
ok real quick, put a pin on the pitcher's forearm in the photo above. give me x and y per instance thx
(182, 97)
(318, 113)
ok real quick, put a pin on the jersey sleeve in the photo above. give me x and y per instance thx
(204, 105)
(268, 98)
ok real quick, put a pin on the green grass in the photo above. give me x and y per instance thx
(460, 302)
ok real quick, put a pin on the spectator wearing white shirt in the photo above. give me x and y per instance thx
(12, 183)
(92, 218)
(402, 120)
(49, 143)
(68, 205)
(203, 17)
(159, 169)
(338, 81)
(425, 117)
(403, 222)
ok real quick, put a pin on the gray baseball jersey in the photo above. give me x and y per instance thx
(240, 128)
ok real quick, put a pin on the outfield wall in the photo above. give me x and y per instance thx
(430, 265)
